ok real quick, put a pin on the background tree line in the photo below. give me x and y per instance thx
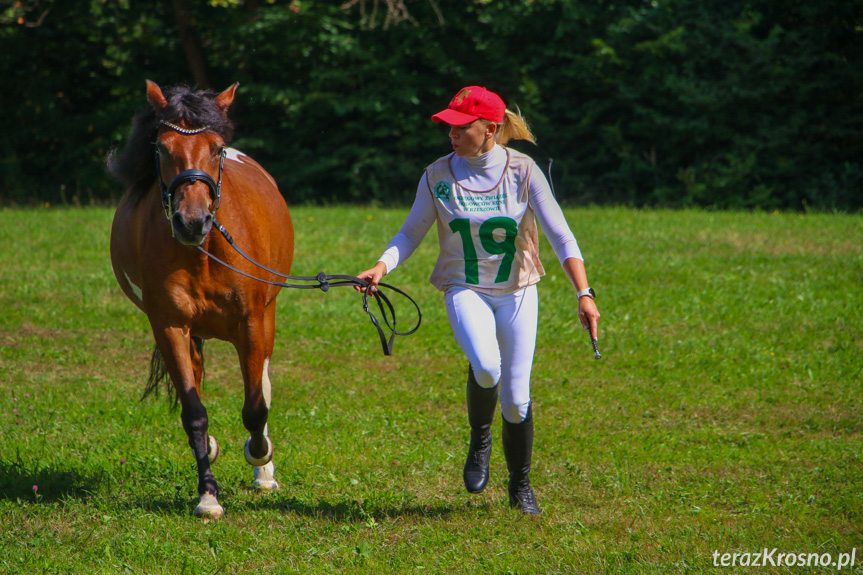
(717, 103)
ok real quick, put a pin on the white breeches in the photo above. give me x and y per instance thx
(498, 336)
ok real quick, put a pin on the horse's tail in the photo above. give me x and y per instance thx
(159, 373)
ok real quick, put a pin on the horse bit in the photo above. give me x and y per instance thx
(325, 281)
(192, 176)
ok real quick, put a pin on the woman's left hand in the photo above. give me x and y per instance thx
(587, 312)
(589, 315)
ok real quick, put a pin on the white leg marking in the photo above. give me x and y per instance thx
(264, 479)
(267, 391)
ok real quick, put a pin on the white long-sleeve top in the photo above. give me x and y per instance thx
(486, 209)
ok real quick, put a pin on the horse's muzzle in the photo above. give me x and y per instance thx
(192, 231)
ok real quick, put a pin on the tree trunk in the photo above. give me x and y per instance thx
(191, 44)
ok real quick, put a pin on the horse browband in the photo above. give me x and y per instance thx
(186, 131)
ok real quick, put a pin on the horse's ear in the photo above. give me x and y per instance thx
(155, 97)
(226, 98)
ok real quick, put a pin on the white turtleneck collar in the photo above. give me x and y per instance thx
(481, 173)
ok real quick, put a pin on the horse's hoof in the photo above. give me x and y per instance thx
(264, 480)
(208, 508)
(213, 450)
(259, 461)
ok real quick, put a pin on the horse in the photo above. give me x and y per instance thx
(182, 138)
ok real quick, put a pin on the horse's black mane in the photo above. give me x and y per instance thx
(135, 166)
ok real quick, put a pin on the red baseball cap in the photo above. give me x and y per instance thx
(471, 103)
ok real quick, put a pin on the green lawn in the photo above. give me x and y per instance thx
(725, 415)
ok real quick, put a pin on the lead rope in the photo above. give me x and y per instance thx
(325, 282)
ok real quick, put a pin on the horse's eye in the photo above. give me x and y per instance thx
(161, 148)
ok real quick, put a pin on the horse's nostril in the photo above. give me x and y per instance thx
(207, 223)
(178, 220)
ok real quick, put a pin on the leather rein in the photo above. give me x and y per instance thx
(324, 281)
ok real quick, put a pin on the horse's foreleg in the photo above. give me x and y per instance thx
(184, 366)
(258, 398)
(256, 407)
(196, 352)
(264, 474)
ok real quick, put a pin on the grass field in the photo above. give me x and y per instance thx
(725, 415)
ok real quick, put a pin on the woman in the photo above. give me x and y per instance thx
(485, 199)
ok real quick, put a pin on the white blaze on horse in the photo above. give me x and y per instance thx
(188, 297)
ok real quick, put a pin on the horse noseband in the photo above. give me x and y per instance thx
(192, 176)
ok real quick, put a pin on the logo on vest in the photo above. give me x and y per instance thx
(442, 191)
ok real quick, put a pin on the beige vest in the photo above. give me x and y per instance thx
(488, 239)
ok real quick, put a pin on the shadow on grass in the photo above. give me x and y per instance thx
(45, 484)
(375, 507)
(342, 511)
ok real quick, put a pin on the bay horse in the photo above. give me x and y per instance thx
(183, 139)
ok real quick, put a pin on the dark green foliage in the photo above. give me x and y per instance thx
(731, 104)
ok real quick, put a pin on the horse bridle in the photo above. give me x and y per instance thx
(325, 282)
(192, 175)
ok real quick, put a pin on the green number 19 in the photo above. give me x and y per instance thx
(486, 238)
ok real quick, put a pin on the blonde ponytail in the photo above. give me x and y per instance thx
(514, 127)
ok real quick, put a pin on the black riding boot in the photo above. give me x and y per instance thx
(518, 448)
(481, 402)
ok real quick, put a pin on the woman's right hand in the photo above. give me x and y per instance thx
(373, 276)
